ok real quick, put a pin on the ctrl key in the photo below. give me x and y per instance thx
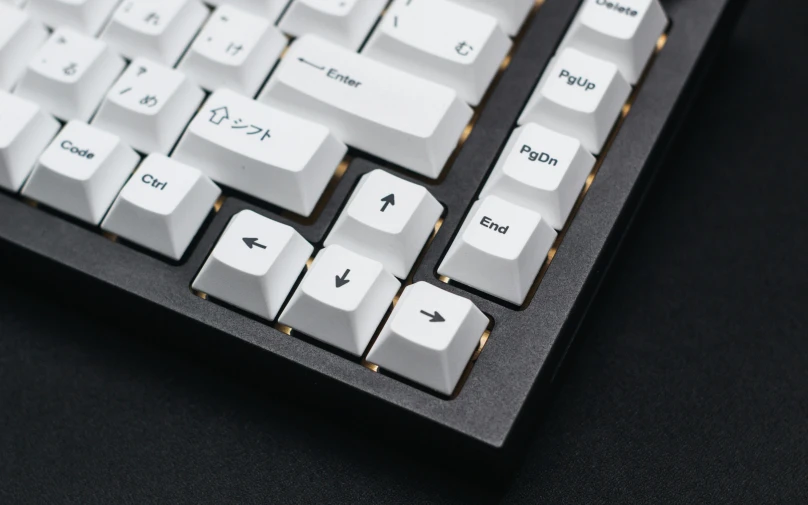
(162, 206)
(430, 337)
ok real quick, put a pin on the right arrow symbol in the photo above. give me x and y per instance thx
(389, 200)
(341, 281)
(436, 317)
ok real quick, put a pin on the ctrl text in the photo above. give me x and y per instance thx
(154, 182)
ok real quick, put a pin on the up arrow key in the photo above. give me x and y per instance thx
(388, 200)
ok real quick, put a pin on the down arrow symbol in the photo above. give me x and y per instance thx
(341, 281)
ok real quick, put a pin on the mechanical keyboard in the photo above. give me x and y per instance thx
(405, 206)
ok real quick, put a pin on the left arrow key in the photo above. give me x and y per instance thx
(253, 242)
(257, 283)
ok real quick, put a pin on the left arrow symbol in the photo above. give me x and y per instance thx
(253, 242)
(307, 62)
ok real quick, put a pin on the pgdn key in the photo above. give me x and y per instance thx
(378, 109)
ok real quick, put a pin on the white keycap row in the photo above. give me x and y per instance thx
(82, 171)
(413, 118)
(509, 232)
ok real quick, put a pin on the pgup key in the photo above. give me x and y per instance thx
(577, 80)
(580, 96)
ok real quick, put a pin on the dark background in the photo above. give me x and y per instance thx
(689, 382)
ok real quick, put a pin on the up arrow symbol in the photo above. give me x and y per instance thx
(388, 200)
(219, 115)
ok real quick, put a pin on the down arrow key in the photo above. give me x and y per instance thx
(341, 281)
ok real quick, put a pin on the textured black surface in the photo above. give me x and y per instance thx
(689, 383)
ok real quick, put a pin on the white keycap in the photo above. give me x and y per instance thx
(254, 265)
(268, 9)
(69, 76)
(624, 33)
(261, 151)
(149, 106)
(580, 96)
(499, 250)
(443, 42)
(234, 50)
(162, 206)
(541, 170)
(381, 110)
(159, 30)
(510, 13)
(85, 16)
(81, 172)
(342, 299)
(387, 219)
(429, 337)
(20, 38)
(25, 131)
(343, 22)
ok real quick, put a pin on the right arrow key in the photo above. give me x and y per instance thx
(430, 337)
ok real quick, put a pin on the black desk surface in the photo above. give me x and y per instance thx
(689, 383)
